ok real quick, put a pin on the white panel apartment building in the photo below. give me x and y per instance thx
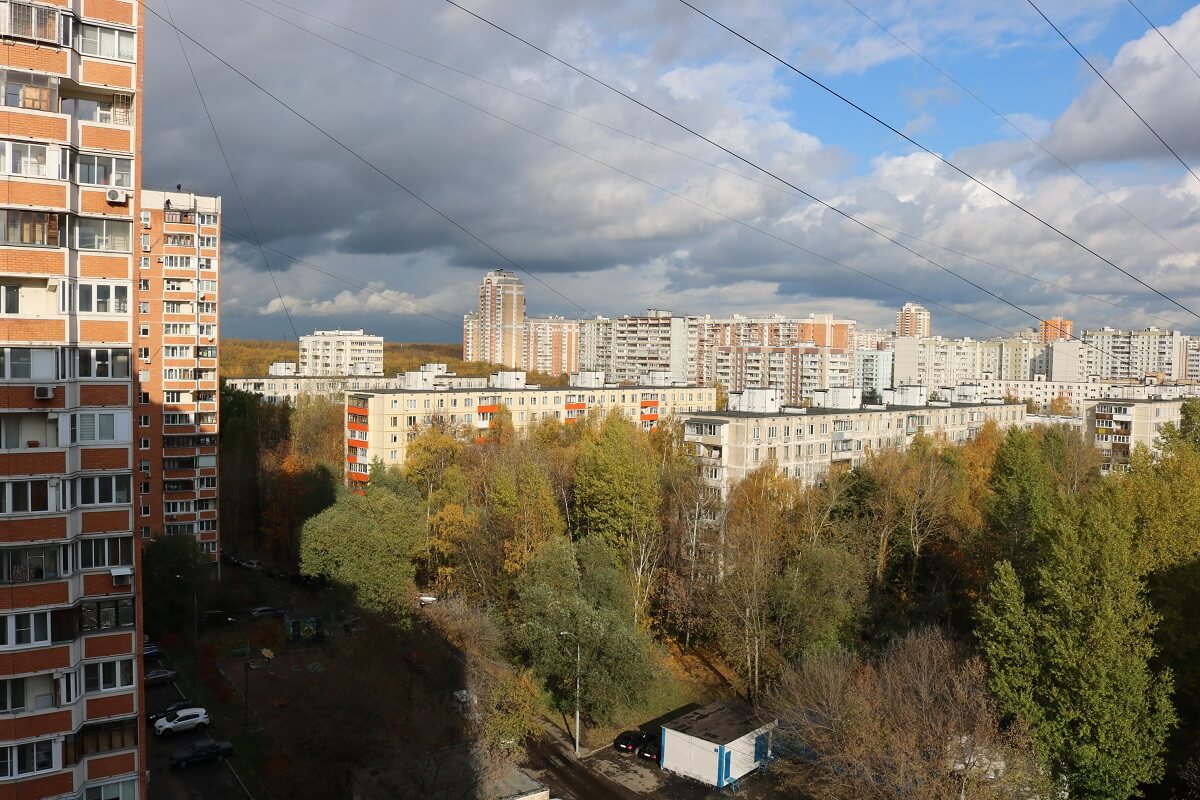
(797, 372)
(340, 353)
(808, 444)
(873, 371)
(1113, 353)
(1116, 427)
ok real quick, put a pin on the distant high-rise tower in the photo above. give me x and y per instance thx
(912, 320)
(1057, 328)
(494, 333)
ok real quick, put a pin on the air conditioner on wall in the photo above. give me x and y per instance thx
(116, 196)
(43, 392)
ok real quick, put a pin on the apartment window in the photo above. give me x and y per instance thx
(145, 217)
(177, 262)
(24, 497)
(27, 759)
(29, 21)
(207, 482)
(208, 219)
(143, 444)
(107, 676)
(108, 235)
(179, 240)
(27, 90)
(31, 160)
(103, 362)
(12, 695)
(104, 614)
(207, 263)
(144, 398)
(30, 227)
(20, 630)
(100, 737)
(144, 285)
(102, 490)
(95, 426)
(24, 564)
(95, 40)
(208, 241)
(206, 329)
(178, 329)
(95, 298)
(106, 171)
(121, 790)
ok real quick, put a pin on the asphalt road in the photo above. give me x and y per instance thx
(569, 779)
(209, 781)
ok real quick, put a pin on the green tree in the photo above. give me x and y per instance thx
(174, 574)
(511, 714)
(367, 543)
(1069, 650)
(1022, 494)
(817, 601)
(317, 431)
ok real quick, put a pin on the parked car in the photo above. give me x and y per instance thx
(650, 750)
(185, 719)
(217, 617)
(630, 741)
(203, 750)
(151, 651)
(258, 612)
(154, 677)
(176, 706)
(252, 563)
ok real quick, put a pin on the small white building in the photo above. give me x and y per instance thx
(717, 744)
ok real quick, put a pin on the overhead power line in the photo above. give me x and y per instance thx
(824, 87)
(361, 158)
(1107, 83)
(1163, 36)
(229, 167)
(774, 175)
(773, 186)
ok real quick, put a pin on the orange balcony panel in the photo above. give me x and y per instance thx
(106, 521)
(56, 785)
(29, 193)
(569, 420)
(110, 766)
(19, 55)
(33, 529)
(119, 11)
(111, 706)
(357, 476)
(489, 409)
(104, 394)
(103, 73)
(96, 137)
(357, 426)
(33, 462)
(355, 443)
(113, 644)
(104, 458)
(32, 260)
(576, 406)
(96, 331)
(34, 124)
(25, 595)
(649, 403)
(34, 330)
(362, 412)
(649, 417)
(95, 266)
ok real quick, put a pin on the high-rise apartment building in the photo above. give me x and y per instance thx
(1132, 355)
(494, 333)
(796, 372)
(69, 635)
(340, 353)
(551, 345)
(177, 367)
(913, 320)
(1056, 328)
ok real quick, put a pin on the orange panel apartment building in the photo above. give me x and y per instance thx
(70, 139)
(176, 411)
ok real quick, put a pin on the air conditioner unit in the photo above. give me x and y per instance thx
(43, 393)
(122, 580)
(159, 259)
(146, 225)
(116, 196)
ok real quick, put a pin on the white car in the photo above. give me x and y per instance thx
(185, 719)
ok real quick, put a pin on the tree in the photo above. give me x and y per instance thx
(367, 543)
(918, 722)
(511, 714)
(173, 573)
(1061, 407)
(1069, 646)
(317, 431)
(817, 600)
(1022, 493)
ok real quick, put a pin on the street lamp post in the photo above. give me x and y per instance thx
(576, 638)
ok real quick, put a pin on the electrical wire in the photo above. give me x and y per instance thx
(232, 177)
(1163, 36)
(765, 171)
(769, 185)
(1121, 97)
(361, 158)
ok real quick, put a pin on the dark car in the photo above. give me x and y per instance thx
(203, 750)
(630, 741)
(151, 651)
(650, 750)
(154, 677)
(217, 617)
(173, 707)
(258, 612)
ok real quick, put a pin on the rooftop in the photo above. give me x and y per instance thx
(720, 723)
(815, 411)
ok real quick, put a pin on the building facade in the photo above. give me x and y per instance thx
(1132, 355)
(495, 332)
(551, 345)
(288, 389)
(336, 353)
(797, 371)
(913, 320)
(69, 560)
(1116, 427)
(177, 363)
(1055, 329)
(380, 424)
(873, 371)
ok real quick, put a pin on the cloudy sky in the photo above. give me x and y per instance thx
(609, 209)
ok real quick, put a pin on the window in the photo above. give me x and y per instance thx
(105, 171)
(95, 40)
(95, 298)
(19, 630)
(12, 695)
(179, 240)
(108, 675)
(121, 790)
(24, 497)
(10, 299)
(31, 160)
(96, 426)
(29, 21)
(27, 759)
(103, 614)
(103, 362)
(100, 737)
(102, 490)
(31, 227)
(207, 263)
(145, 217)
(111, 551)
(208, 219)
(108, 235)
(208, 482)
(27, 90)
(208, 241)
(177, 262)
(24, 564)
